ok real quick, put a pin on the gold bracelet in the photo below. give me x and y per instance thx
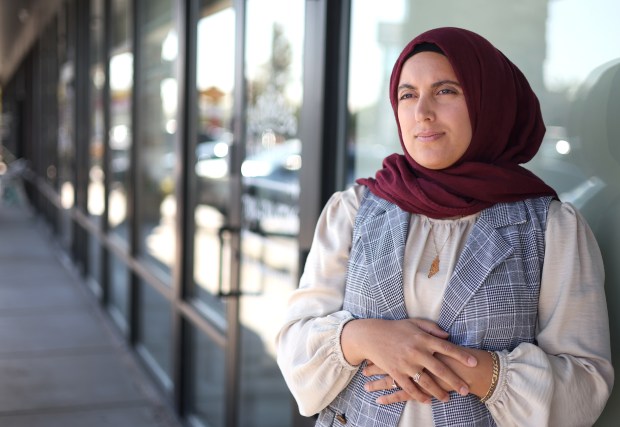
(494, 378)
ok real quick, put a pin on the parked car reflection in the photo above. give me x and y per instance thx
(212, 172)
(270, 182)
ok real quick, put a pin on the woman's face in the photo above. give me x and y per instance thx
(432, 111)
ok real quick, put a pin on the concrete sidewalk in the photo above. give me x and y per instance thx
(61, 363)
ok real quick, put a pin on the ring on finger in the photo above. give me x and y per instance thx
(416, 377)
(394, 383)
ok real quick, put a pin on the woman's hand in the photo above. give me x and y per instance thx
(478, 378)
(404, 348)
(399, 395)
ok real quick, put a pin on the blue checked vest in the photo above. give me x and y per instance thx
(491, 300)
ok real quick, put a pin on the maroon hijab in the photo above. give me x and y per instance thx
(507, 130)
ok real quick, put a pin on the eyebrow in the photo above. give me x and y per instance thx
(434, 85)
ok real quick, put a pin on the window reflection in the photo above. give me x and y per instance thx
(66, 124)
(120, 132)
(155, 186)
(593, 135)
(215, 71)
(214, 94)
(96, 169)
(576, 157)
(157, 117)
(270, 177)
(97, 81)
(119, 140)
(583, 106)
(271, 169)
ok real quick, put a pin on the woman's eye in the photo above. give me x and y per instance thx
(405, 96)
(446, 91)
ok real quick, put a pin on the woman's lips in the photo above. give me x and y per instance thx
(428, 136)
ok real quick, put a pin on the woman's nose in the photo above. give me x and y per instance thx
(424, 109)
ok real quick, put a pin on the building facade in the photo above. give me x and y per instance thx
(182, 152)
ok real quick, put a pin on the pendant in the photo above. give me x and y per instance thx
(434, 267)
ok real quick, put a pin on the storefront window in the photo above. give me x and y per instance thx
(120, 134)
(45, 156)
(97, 79)
(580, 156)
(66, 123)
(208, 380)
(156, 207)
(155, 332)
(118, 292)
(155, 186)
(270, 177)
(119, 141)
(96, 174)
(215, 74)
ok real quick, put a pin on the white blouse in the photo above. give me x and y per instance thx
(564, 380)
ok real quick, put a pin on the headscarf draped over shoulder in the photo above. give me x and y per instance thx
(507, 130)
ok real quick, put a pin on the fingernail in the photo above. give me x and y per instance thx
(464, 391)
(366, 387)
(427, 402)
(472, 361)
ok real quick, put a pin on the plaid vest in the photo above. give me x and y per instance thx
(491, 300)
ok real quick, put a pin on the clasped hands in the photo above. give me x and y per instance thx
(400, 349)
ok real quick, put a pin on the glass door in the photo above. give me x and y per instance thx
(247, 160)
(270, 200)
(212, 375)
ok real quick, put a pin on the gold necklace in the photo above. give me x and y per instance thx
(435, 264)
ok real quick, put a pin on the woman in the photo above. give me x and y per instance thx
(452, 288)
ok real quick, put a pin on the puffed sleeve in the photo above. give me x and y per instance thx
(566, 378)
(308, 345)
